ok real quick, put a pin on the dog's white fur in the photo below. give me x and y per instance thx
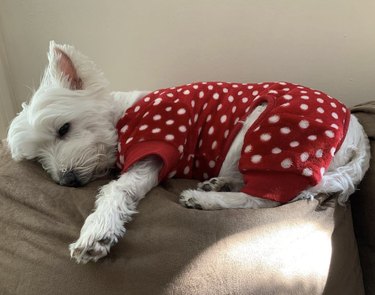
(74, 91)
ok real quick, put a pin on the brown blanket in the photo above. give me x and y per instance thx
(168, 249)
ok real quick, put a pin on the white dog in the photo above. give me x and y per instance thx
(71, 125)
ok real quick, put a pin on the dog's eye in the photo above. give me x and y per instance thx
(64, 129)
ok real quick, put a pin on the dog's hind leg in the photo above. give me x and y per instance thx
(222, 200)
(115, 205)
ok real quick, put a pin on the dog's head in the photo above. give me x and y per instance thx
(68, 125)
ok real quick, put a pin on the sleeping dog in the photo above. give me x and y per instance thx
(252, 145)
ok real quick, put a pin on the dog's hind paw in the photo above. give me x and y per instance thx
(188, 200)
(216, 184)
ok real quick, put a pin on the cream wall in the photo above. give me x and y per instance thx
(141, 44)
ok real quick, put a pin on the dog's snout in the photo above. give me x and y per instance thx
(70, 178)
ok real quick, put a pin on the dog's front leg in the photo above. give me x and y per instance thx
(115, 204)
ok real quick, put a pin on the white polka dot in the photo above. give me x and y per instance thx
(248, 148)
(330, 133)
(211, 130)
(319, 120)
(186, 92)
(196, 118)
(320, 100)
(201, 94)
(266, 85)
(147, 99)
(145, 115)
(319, 153)
(182, 128)
(230, 98)
(285, 130)
(186, 170)
(156, 117)
(307, 172)
(122, 159)
(317, 92)
(209, 117)
(234, 109)
(223, 118)
(322, 170)
(226, 133)
(181, 111)
(287, 97)
(287, 163)
(157, 101)
(294, 144)
(235, 86)
(265, 137)
(312, 137)
(225, 90)
(334, 115)
(211, 164)
(250, 87)
(210, 87)
(168, 109)
(305, 97)
(255, 93)
(273, 92)
(123, 129)
(143, 127)
(169, 122)
(169, 137)
(205, 105)
(333, 105)
(256, 159)
(171, 174)
(240, 93)
(303, 91)
(274, 119)
(332, 151)
(304, 107)
(214, 145)
(276, 150)
(193, 103)
(215, 96)
(181, 149)
(195, 87)
(219, 83)
(335, 126)
(219, 107)
(304, 124)
(344, 109)
(245, 99)
(304, 157)
(129, 139)
(136, 109)
(320, 110)
(156, 130)
(119, 147)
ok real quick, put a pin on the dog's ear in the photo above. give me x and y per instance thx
(61, 68)
(67, 68)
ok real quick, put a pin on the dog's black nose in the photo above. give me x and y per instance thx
(70, 179)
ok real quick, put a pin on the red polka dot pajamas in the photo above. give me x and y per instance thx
(192, 127)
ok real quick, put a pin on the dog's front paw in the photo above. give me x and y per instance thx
(189, 200)
(99, 233)
(92, 248)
